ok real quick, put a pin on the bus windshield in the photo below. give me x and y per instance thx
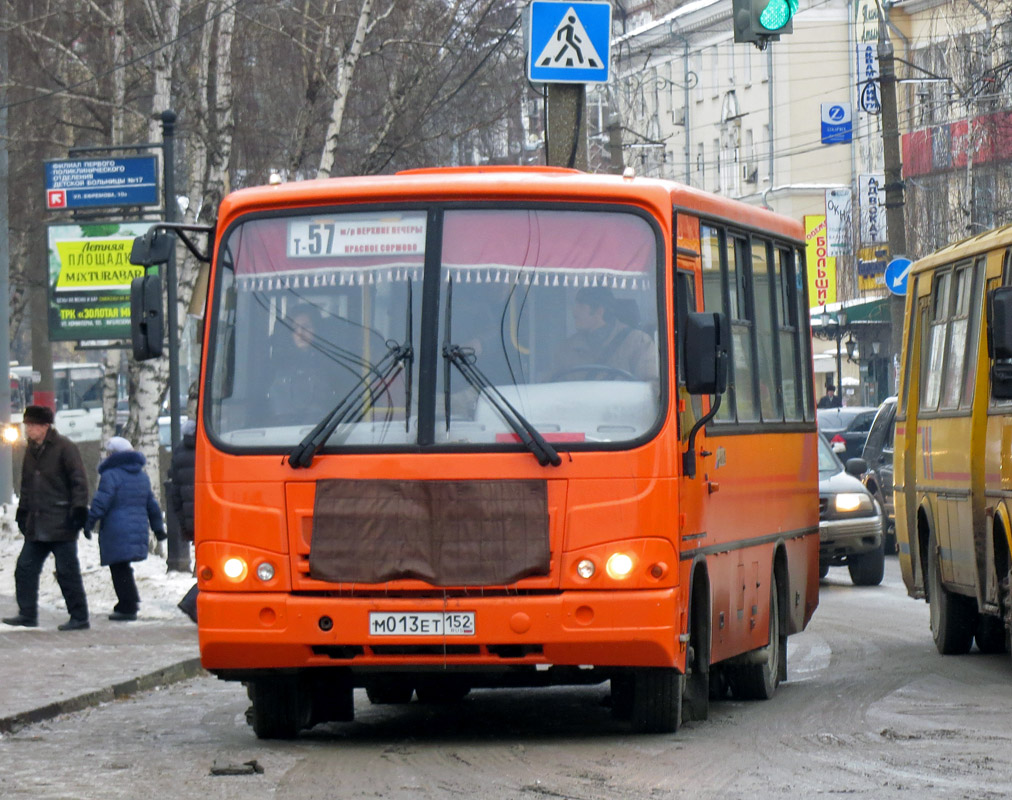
(419, 325)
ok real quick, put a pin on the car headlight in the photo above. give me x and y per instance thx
(852, 503)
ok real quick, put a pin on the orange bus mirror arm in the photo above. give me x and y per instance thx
(689, 456)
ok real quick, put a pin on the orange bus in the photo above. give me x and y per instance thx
(468, 428)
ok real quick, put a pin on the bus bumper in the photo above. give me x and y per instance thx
(279, 631)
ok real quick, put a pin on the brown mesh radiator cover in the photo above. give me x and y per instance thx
(447, 533)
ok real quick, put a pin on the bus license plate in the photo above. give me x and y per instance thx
(435, 623)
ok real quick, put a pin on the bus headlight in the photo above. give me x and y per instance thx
(586, 568)
(234, 568)
(619, 566)
(265, 571)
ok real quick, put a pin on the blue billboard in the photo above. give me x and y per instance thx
(102, 182)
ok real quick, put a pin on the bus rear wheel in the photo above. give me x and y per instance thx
(281, 706)
(439, 689)
(657, 700)
(390, 690)
(952, 615)
(758, 681)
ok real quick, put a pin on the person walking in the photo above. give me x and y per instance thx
(123, 507)
(180, 498)
(52, 509)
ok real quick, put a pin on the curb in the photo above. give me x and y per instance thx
(166, 676)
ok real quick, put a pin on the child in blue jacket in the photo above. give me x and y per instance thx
(124, 506)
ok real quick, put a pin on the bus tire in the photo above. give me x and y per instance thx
(991, 636)
(390, 690)
(622, 689)
(759, 681)
(280, 707)
(657, 700)
(952, 615)
(868, 569)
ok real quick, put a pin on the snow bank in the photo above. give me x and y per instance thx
(160, 590)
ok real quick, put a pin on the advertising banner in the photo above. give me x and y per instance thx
(821, 265)
(871, 196)
(89, 279)
(866, 30)
(839, 219)
(837, 123)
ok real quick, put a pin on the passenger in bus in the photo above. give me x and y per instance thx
(124, 505)
(52, 508)
(309, 367)
(604, 347)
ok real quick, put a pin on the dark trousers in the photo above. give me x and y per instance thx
(126, 588)
(68, 575)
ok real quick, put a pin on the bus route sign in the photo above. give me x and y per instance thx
(101, 182)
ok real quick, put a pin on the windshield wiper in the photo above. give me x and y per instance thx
(463, 359)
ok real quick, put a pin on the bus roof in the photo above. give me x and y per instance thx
(982, 242)
(507, 183)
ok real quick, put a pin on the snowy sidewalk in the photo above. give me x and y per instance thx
(45, 672)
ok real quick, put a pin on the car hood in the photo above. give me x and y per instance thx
(840, 482)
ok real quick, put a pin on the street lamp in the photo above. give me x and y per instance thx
(832, 326)
(851, 348)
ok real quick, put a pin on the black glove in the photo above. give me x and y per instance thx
(78, 517)
(22, 519)
(161, 536)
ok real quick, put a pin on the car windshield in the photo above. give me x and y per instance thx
(557, 309)
(828, 462)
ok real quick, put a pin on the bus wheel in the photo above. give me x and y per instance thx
(390, 690)
(437, 689)
(622, 688)
(657, 700)
(868, 569)
(952, 615)
(758, 681)
(280, 707)
(991, 635)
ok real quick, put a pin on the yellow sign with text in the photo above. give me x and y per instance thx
(90, 265)
(821, 265)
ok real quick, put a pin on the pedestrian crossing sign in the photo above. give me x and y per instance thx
(569, 42)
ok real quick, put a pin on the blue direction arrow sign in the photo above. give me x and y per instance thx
(98, 182)
(896, 275)
(569, 42)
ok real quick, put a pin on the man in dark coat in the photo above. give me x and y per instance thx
(180, 497)
(52, 508)
(181, 473)
(125, 506)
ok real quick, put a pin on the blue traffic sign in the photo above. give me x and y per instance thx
(896, 275)
(569, 42)
(98, 182)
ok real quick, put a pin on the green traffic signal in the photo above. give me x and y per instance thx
(777, 14)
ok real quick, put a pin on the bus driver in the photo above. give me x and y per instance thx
(603, 346)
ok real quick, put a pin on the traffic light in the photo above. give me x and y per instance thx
(762, 21)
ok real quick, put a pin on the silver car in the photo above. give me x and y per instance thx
(850, 520)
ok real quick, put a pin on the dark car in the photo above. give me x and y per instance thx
(878, 453)
(846, 428)
(850, 520)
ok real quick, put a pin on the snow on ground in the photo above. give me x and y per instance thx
(159, 590)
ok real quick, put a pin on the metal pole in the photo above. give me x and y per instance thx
(178, 556)
(6, 450)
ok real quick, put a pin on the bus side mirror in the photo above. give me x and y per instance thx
(146, 326)
(706, 359)
(999, 341)
(154, 247)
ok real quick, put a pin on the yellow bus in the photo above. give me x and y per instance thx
(953, 454)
